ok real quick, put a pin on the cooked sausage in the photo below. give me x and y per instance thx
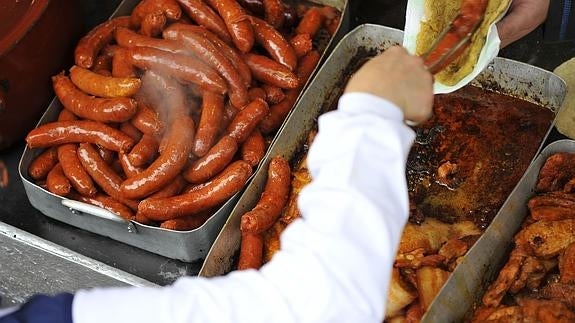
(210, 123)
(273, 199)
(271, 72)
(92, 108)
(107, 203)
(237, 22)
(184, 68)
(274, 13)
(62, 132)
(121, 66)
(221, 188)
(302, 44)
(131, 131)
(217, 158)
(103, 86)
(66, 115)
(127, 167)
(89, 46)
(206, 17)
(306, 67)
(274, 94)
(171, 99)
(153, 24)
(311, 22)
(247, 120)
(251, 251)
(169, 8)
(230, 113)
(254, 148)
(147, 120)
(128, 38)
(107, 155)
(173, 188)
(43, 164)
(168, 165)
(144, 151)
(186, 223)
(257, 93)
(74, 171)
(106, 178)
(57, 182)
(254, 6)
(274, 43)
(207, 52)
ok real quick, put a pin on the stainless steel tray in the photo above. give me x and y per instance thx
(509, 77)
(186, 246)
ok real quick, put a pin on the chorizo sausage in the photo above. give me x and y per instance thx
(107, 203)
(274, 13)
(271, 72)
(186, 69)
(121, 66)
(254, 6)
(274, 94)
(92, 108)
(168, 165)
(247, 120)
(103, 86)
(74, 171)
(144, 151)
(210, 123)
(237, 22)
(66, 115)
(230, 113)
(311, 22)
(217, 158)
(169, 8)
(62, 132)
(127, 167)
(128, 38)
(257, 92)
(43, 164)
(306, 67)
(153, 24)
(174, 188)
(251, 251)
(206, 17)
(90, 45)
(211, 194)
(254, 148)
(106, 178)
(273, 199)
(130, 130)
(57, 182)
(302, 44)
(207, 52)
(274, 43)
(107, 155)
(147, 120)
(186, 223)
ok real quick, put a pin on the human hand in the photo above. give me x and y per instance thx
(523, 16)
(399, 77)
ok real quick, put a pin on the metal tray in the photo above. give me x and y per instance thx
(186, 246)
(509, 77)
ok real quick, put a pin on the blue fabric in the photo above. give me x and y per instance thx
(43, 309)
(565, 19)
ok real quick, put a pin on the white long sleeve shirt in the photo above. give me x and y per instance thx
(335, 262)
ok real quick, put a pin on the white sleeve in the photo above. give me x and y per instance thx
(335, 262)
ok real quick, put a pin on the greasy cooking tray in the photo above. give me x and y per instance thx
(506, 76)
(182, 245)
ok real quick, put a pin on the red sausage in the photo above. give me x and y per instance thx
(130, 130)
(210, 123)
(186, 223)
(147, 120)
(128, 38)
(237, 22)
(107, 203)
(230, 113)
(274, 43)
(153, 24)
(107, 155)
(271, 72)
(173, 188)
(221, 188)
(254, 6)
(169, 8)
(170, 100)
(254, 148)
(274, 13)
(43, 164)
(274, 95)
(74, 171)
(168, 165)
(66, 115)
(257, 93)
(311, 22)
(273, 199)
(127, 167)
(144, 151)
(184, 68)
(307, 65)
(98, 109)
(62, 132)
(247, 120)
(302, 44)
(89, 46)
(206, 17)
(217, 158)
(251, 251)
(206, 51)
(121, 66)
(57, 182)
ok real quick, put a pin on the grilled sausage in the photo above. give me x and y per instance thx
(103, 86)
(217, 158)
(121, 65)
(302, 44)
(251, 251)
(271, 72)
(89, 46)
(173, 188)
(74, 171)
(206, 17)
(43, 164)
(210, 123)
(130, 130)
(153, 24)
(274, 94)
(257, 93)
(274, 13)
(237, 22)
(57, 182)
(254, 148)
(144, 151)
(311, 22)
(247, 120)
(127, 167)
(274, 43)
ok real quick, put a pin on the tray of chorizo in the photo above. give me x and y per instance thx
(166, 113)
(464, 163)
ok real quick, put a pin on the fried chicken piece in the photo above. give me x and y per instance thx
(430, 280)
(557, 170)
(552, 206)
(432, 234)
(557, 291)
(416, 259)
(545, 311)
(567, 266)
(547, 238)
(399, 295)
(507, 276)
(532, 273)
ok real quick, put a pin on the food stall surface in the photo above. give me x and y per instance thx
(16, 211)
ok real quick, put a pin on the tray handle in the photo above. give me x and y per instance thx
(81, 208)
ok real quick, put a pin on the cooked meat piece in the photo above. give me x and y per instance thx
(557, 170)
(558, 291)
(414, 313)
(544, 311)
(567, 266)
(399, 295)
(547, 238)
(445, 174)
(416, 259)
(553, 213)
(570, 186)
(552, 206)
(430, 280)
(432, 234)
(507, 276)
(509, 314)
(452, 249)
(532, 271)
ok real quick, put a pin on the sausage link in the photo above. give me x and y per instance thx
(254, 6)
(274, 13)
(217, 158)
(147, 120)
(209, 54)
(127, 167)
(237, 22)
(90, 45)
(230, 113)
(173, 188)
(144, 151)
(257, 93)
(274, 43)
(170, 101)
(62, 132)
(57, 182)
(274, 94)
(168, 165)
(271, 72)
(169, 8)
(66, 115)
(107, 203)
(302, 44)
(92, 108)
(106, 178)
(206, 17)
(130, 130)
(107, 155)
(74, 171)
(184, 68)
(307, 65)
(254, 148)
(221, 188)
(186, 223)
(311, 22)
(43, 164)
(153, 24)
(128, 38)
(273, 199)
(251, 251)
(247, 120)
(103, 86)
(121, 66)
(210, 123)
